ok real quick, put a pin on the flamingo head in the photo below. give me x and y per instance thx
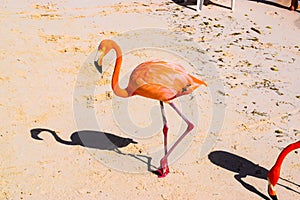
(273, 176)
(104, 47)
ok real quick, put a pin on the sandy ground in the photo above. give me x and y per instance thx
(49, 87)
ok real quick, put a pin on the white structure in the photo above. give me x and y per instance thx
(200, 4)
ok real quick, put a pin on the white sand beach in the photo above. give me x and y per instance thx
(57, 110)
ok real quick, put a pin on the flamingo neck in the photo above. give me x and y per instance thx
(276, 168)
(115, 78)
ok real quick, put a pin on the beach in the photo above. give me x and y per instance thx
(65, 135)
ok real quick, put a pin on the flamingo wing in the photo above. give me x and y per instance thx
(161, 80)
(165, 63)
(155, 91)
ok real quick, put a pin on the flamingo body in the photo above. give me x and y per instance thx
(161, 80)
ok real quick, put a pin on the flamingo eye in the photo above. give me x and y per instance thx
(102, 51)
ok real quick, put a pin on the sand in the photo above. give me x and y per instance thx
(250, 58)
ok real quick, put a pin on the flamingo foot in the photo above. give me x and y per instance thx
(164, 168)
(161, 173)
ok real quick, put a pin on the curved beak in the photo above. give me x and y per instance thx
(98, 60)
(271, 192)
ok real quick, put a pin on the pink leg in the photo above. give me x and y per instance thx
(165, 128)
(164, 169)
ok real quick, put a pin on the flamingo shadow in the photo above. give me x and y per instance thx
(188, 3)
(97, 140)
(243, 168)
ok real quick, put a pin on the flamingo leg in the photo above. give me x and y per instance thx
(165, 128)
(164, 169)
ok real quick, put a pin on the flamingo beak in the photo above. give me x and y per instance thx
(271, 192)
(98, 60)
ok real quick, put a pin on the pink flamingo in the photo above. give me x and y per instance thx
(157, 79)
(274, 173)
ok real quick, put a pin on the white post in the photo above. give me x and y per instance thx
(199, 5)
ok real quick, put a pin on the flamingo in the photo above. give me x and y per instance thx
(157, 79)
(274, 173)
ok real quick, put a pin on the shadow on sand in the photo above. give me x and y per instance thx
(243, 168)
(97, 140)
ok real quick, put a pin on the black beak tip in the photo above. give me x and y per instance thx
(99, 68)
(274, 197)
